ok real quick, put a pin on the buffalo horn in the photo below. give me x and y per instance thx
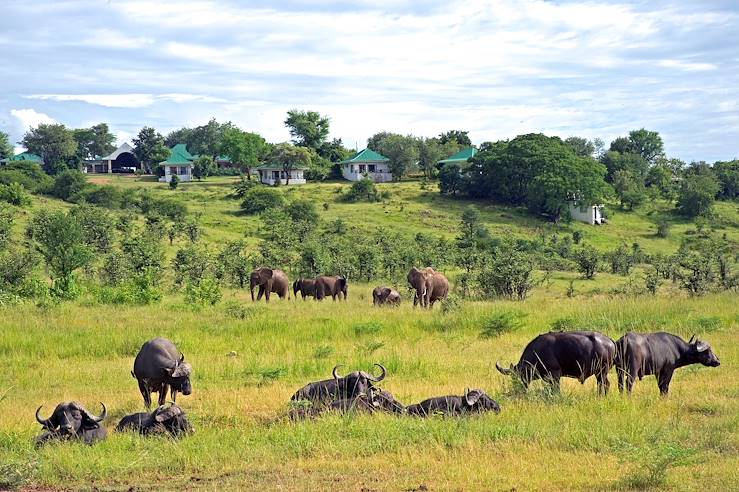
(502, 370)
(380, 377)
(46, 423)
(182, 357)
(102, 415)
(336, 375)
(692, 338)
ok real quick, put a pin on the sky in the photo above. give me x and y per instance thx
(496, 68)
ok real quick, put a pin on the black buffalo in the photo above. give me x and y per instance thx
(158, 367)
(164, 420)
(71, 420)
(379, 401)
(473, 401)
(639, 355)
(574, 354)
(340, 387)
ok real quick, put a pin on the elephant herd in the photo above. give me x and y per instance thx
(428, 285)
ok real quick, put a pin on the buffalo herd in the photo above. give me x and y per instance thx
(159, 367)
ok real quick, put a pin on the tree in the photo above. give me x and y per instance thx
(245, 149)
(630, 191)
(334, 150)
(308, 128)
(60, 239)
(364, 189)
(174, 181)
(182, 135)
(631, 162)
(93, 142)
(451, 180)
(261, 198)
(647, 144)
(587, 261)
(727, 174)
(6, 149)
(290, 157)
(402, 150)
(27, 173)
(431, 151)
(203, 166)
(68, 183)
(149, 148)
(304, 217)
(456, 136)
(697, 194)
(207, 139)
(54, 143)
(582, 146)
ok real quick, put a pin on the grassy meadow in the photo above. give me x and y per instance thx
(249, 358)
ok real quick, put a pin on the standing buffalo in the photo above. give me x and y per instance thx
(385, 295)
(639, 355)
(331, 286)
(430, 286)
(171, 420)
(350, 386)
(306, 287)
(574, 354)
(269, 281)
(159, 366)
(71, 420)
(473, 401)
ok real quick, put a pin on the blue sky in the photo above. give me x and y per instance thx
(497, 68)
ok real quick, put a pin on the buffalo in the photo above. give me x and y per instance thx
(376, 401)
(158, 367)
(350, 386)
(473, 401)
(164, 420)
(639, 355)
(574, 354)
(71, 420)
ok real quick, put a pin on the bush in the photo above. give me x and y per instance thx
(242, 186)
(28, 174)
(577, 237)
(652, 280)
(173, 182)
(261, 198)
(502, 322)
(697, 194)
(68, 184)
(207, 291)
(6, 227)
(14, 194)
(97, 226)
(621, 260)
(105, 196)
(696, 273)
(362, 190)
(140, 290)
(663, 228)
(115, 269)
(16, 268)
(190, 265)
(587, 261)
(507, 274)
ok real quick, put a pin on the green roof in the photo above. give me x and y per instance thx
(278, 166)
(366, 155)
(179, 156)
(462, 156)
(26, 156)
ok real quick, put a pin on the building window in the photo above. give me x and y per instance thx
(362, 168)
(371, 168)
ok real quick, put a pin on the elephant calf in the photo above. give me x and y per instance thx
(385, 296)
(473, 401)
(306, 287)
(164, 420)
(71, 420)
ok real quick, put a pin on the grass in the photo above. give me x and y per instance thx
(249, 358)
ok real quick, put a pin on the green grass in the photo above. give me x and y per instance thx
(249, 358)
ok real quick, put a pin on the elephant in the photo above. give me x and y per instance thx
(269, 281)
(430, 286)
(331, 286)
(306, 287)
(385, 295)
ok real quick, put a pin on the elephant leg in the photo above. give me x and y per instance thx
(145, 392)
(415, 299)
(266, 294)
(260, 293)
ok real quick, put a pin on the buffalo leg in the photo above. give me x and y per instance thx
(174, 395)
(163, 393)
(145, 392)
(663, 381)
(603, 383)
(620, 372)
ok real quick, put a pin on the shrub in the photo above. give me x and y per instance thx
(587, 261)
(190, 265)
(206, 291)
(105, 196)
(115, 269)
(97, 226)
(139, 290)
(577, 237)
(68, 184)
(173, 182)
(14, 194)
(362, 190)
(144, 254)
(233, 264)
(621, 260)
(697, 194)
(502, 322)
(242, 186)
(652, 280)
(261, 198)
(26, 173)
(6, 227)
(16, 268)
(663, 228)
(696, 273)
(507, 274)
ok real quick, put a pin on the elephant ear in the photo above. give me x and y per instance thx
(385, 292)
(265, 274)
(472, 396)
(163, 414)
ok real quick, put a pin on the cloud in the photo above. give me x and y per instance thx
(30, 118)
(127, 100)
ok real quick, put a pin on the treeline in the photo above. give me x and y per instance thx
(546, 173)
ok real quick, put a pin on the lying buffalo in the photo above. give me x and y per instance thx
(639, 355)
(574, 354)
(350, 386)
(158, 367)
(164, 420)
(71, 420)
(473, 401)
(379, 401)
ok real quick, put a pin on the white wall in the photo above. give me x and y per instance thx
(590, 214)
(355, 172)
(184, 174)
(267, 176)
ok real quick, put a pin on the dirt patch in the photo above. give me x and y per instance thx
(99, 180)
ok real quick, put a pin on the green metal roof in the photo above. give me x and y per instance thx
(179, 156)
(366, 155)
(279, 167)
(26, 156)
(462, 156)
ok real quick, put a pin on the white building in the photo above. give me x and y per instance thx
(367, 163)
(590, 214)
(270, 174)
(178, 164)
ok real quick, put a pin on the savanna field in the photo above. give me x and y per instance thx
(248, 359)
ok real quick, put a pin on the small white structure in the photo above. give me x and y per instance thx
(270, 174)
(178, 164)
(590, 214)
(367, 163)
(121, 160)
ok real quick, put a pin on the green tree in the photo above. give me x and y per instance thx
(54, 143)
(587, 259)
(697, 194)
(174, 181)
(149, 148)
(261, 198)
(6, 149)
(203, 167)
(68, 183)
(97, 226)
(431, 151)
(60, 239)
(14, 194)
(402, 150)
(182, 135)
(27, 173)
(629, 190)
(581, 146)
(363, 190)
(451, 179)
(207, 139)
(334, 150)
(727, 174)
(647, 144)
(290, 157)
(631, 162)
(308, 128)
(93, 142)
(243, 148)
(455, 136)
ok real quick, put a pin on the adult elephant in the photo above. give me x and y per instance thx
(269, 280)
(385, 295)
(306, 287)
(331, 286)
(430, 286)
